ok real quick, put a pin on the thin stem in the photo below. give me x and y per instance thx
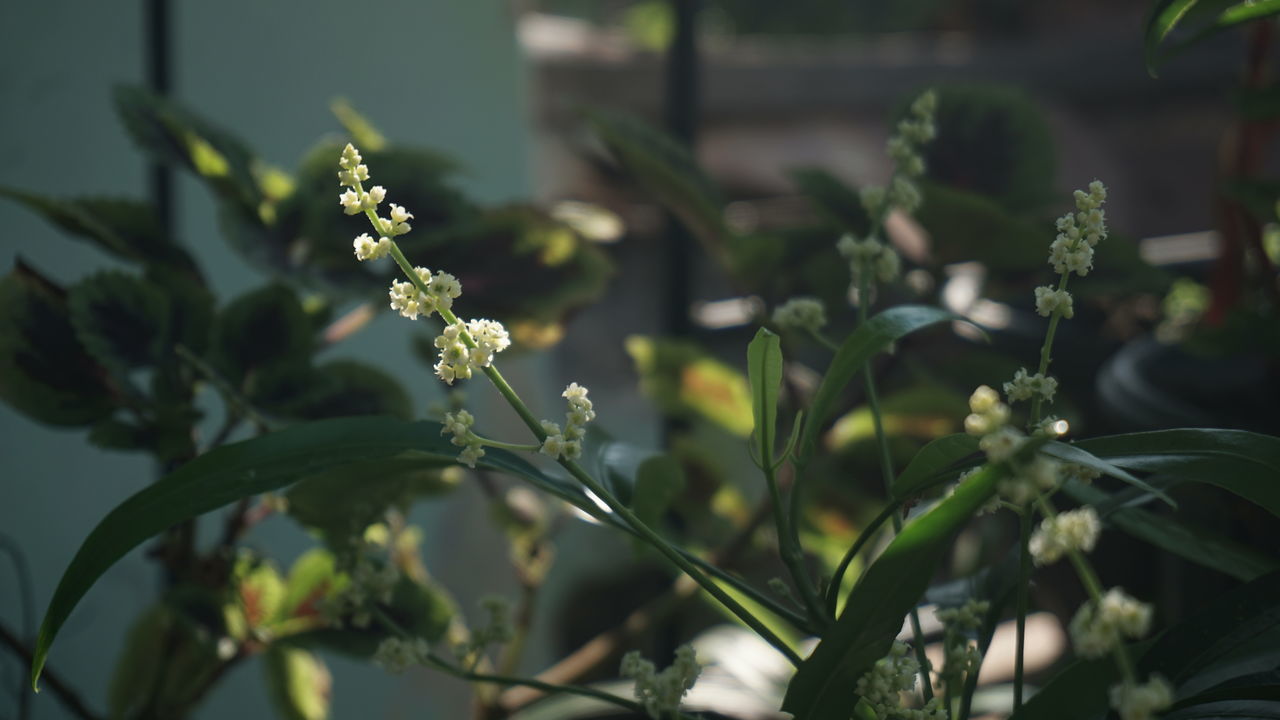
(48, 678)
(440, 664)
(1023, 585)
(642, 530)
(886, 469)
(792, 553)
(231, 395)
(505, 445)
(833, 592)
(1047, 349)
(1092, 585)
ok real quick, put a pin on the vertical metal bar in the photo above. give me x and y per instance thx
(158, 62)
(680, 115)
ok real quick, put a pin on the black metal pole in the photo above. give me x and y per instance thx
(680, 115)
(156, 33)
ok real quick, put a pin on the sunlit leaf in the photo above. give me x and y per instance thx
(683, 380)
(298, 682)
(764, 373)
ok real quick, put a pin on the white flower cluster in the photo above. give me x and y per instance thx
(989, 419)
(800, 313)
(1098, 628)
(661, 692)
(459, 426)
(869, 255)
(567, 443)
(1075, 530)
(370, 581)
(904, 146)
(458, 360)
(1141, 701)
(355, 200)
(1025, 386)
(962, 656)
(395, 655)
(1050, 301)
(411, 302)
(884, 683)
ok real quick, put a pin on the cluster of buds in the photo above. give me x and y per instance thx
(410, 301)
(959, 624)
(883, 685)
(1025, 386)
(661, 692)
(458, 359)
(355, 200)
(1073, 531)
(494, 628)
(459, 426)
(1072, 250)
(1135, 701)
(395, 655)
(1099, 627)
(989, 420)
(904, 147)
(869, 256)
(801, 313)
(567, 443)
(370, 581)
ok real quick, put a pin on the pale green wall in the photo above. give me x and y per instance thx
(443, 73)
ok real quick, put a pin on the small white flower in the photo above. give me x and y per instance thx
(455, 357)
(350, 157)
(351, 203)
(553, 446)
(1076, 530)
(1043, 473)
(1143, 701)
(1097, 628)
(490, 339)
(661, 692)
(371, 199)
(399, 220)
(1001, 444)
(801, 313)
(445, 288)
(367, 248)
(1050, 301)
(988, 413)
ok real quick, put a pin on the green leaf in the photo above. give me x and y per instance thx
(822, 688)
(1198, 545)
(1163, 18)
(310, 578)
(343, 501)
(659, 481)
(840, 203)
(127, 229)
(298, 682)
(343, 388)
(1077, 692)
(854, 353)
(173, 134)
(137, 670)
(614, 463)
(260, 333)
(1073, 454)
(247, 468)
(422, 610)
(686, 381)
(45, 372)
(1215, 15)
(934, 460)
(121, 319)
(764, 373)
(1241, 462)
(664, 169)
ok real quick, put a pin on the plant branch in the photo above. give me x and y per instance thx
(50, 679)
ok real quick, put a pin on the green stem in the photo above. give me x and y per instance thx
(1023, 585)
(792, 553)
(488, 442)
(886, 471)
(1047, 349)
(833, 592)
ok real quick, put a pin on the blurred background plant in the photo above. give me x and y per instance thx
(784, 106)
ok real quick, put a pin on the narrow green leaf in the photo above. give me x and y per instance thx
(933, 460)
(247, 468)
(854, 352)
(1163, 18)
(659, 481)
(1201, 546)
(822, 688)
(764, 373)
(1073, 454)
(1241, 462)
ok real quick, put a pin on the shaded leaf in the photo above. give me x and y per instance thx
(854, 353)
(251, 467)
(659, 481)
(1241, 462)
(263, 331)
(822, 688)
(121, 319)
(1215, 16)
(838, 202)
(665, 169)
(946, 454)
(764, 373)
(341, 388)
(1074, 454)
(45, 371)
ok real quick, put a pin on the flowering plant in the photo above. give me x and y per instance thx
(369, 589)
